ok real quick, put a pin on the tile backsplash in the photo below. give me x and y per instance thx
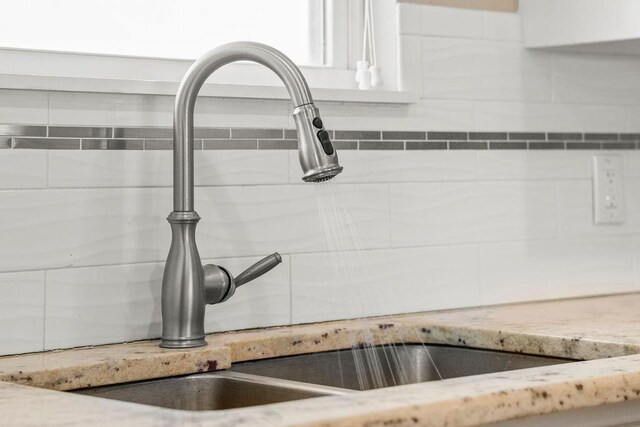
(83, 236)
(479, 193)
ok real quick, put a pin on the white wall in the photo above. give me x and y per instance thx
(83, 236)
(474, 74)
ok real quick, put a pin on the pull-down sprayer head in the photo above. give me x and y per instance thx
(318, 158)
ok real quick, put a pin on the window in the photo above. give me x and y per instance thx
(176, 29)
(157, 40)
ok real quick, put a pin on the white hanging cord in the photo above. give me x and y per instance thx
(363, 72)
(365, 33)
(372, 37)
(375, 72)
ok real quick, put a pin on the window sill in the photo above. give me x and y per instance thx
(156, 87)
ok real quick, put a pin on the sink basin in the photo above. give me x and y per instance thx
(320, 374)
(398, 364)
(211, 391)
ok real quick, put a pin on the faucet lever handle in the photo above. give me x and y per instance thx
(258, 269)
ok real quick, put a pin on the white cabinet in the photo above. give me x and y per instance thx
(610, 26)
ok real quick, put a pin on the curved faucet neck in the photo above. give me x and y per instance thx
(183, 128)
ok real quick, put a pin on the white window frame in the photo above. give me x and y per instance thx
(343, 24)
(23, 69)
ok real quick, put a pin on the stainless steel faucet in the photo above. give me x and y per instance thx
(187, 286)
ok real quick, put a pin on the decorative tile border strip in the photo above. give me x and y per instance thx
(154, 138)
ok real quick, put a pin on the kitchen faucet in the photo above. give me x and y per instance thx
(187, 286)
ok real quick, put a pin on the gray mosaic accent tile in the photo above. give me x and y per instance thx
(600, 136)
(508, 145)
(426, 145)
(290, 134)
(564, 136)
(546, 145)
(448, 136)
(22, 130)
(277, 144)
(167, 144)
(47, 143)
(381, 145)
(527, 136)
(487, 135)
(621, 145)
(629, 137)
(583, 145)
(467, 145)
(401, 135)
(357, 134)
(142, 133)
(230, 144)
(211, 133)
(159, 138)
(79, 132)
(112, 144)
(345, 145)
(245, 133)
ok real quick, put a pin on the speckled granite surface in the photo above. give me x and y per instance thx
(592, 328)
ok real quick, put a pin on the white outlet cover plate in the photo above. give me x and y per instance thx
(608, 192)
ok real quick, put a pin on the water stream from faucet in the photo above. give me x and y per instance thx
(364, 293)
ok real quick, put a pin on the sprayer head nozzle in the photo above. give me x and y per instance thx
(318, 157)
(321, 175)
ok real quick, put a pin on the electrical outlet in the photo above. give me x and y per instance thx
(608, 196)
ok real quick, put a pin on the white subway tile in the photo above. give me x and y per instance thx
(110, 109)
(356, 284)
(368, 116)
(401, 166)
(66, 228)
(451, 22)
(409, 18)
(483, 70)
(631, 164)
(23, 169)
(502, 26)
(575, 210)
(446, 115)
(632, 114)
(444, 213)
(103, 305)
(77, 169)
(244, 221)
(532, 164)
(232, 112)
(99, 305)
(149, 110)
(24, 107)
(21, 312)
(410, 57)
(525, 116)
(595, 79)
(537, 270)
(636, 260)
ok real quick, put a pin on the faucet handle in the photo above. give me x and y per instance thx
(219, 284)
(258, 269)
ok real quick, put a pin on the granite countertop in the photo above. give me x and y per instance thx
(604, 331)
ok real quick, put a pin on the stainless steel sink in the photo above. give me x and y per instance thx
(320, 374)
(385, 366)
(211, 391)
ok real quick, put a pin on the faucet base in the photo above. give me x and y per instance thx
(191, 343)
